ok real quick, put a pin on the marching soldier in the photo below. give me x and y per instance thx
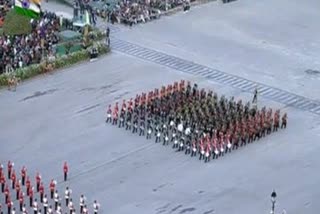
(18, 189)
(3, 182)
(82, 201)
(194, 149)
(207, 153)
(6, 193)
(28, 185)
(45, 204)
(35, 206)
(38, 181)
(96, 207)
(9, 204)
(255, 96)
(141, 128)
(67, 195)
(59, 209)
(65, 170)
(13, 210)
(56, 200)
(23, 175)
(52, 188)
(13, 179)
(284, 121)
(21, 201)
(1, 169)
(50, 210)
(70, 206)
(24, 209)
(149, 131)
(10, 167)
(85, 209)
(41, 191)
(109, 114)
(31, 196)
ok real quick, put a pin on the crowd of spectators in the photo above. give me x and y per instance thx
(22, 50)
(137, 11)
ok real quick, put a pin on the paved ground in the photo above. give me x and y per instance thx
(61, 117)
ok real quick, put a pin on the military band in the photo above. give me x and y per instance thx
(195, 121)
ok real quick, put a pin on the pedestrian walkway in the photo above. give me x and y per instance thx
(190, 67)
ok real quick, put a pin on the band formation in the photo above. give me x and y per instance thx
(194, 121)
(20, 196)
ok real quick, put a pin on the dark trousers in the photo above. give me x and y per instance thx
(6, 200)
(55, 205)
(31, 200)
(41, 197)
(17, 195)
(9, 209)
(51, 194)
(81, 208)
(2, 187)
(23, 180)
(9, 174)
(38, 186)
(13, 184)
(21, 206)
(45, 209)
(65, 176)
(67, 202)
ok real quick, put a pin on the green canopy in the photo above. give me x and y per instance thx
(69, 35)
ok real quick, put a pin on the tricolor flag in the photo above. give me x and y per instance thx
(30, 8)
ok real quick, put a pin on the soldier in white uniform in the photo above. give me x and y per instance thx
(70, 206)
(96, 207)
(67, 195)
(82, 201)
(45, 204)
(59, 209)
(50, 210)
(35, 206)
(56, 200)
(13, 211)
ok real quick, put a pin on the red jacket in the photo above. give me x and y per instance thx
(65, 168)
(2, 179)
(52, 186)
(6, 190)
(21, 200)
(31, 192)
(17, 186)
(13, 176)
(23, 172)
(10, 166)
(38, 178)
(28, 183)
(41, 189)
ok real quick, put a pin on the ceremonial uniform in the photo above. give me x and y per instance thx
(45, 204)
(30, 196)
(65, 170)
(38, 181)
(3, 182)
(56, 200)
(41, 191)
(23, 175)
(35, 206)
(13, 179)
(67, 195)
(10, 167)
(95, 207)
(82, 201)
(21, 201)
(52, 188)
(18, 189)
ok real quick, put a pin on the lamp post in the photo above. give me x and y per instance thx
(273, 201)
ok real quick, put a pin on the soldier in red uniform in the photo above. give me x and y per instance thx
(207, 153)
(65, 170)
(284, 121)
(9, 204)
(21, 200)
(28, 185)
(18, 189)
(13, 178)
(115, 117)
(52, 188)
(276, 120)
(41, 191)
(6, 193)
(23, 175)
(38, 180)
(30, 196)
(3, 182)
(10, 167)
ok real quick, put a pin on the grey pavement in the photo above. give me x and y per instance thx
(60, 116)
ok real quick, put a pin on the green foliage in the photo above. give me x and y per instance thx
(16, 24)
(59, 62)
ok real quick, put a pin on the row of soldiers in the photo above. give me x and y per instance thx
(191, 118)
(23, 187)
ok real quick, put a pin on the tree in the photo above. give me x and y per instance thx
(16, 24)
